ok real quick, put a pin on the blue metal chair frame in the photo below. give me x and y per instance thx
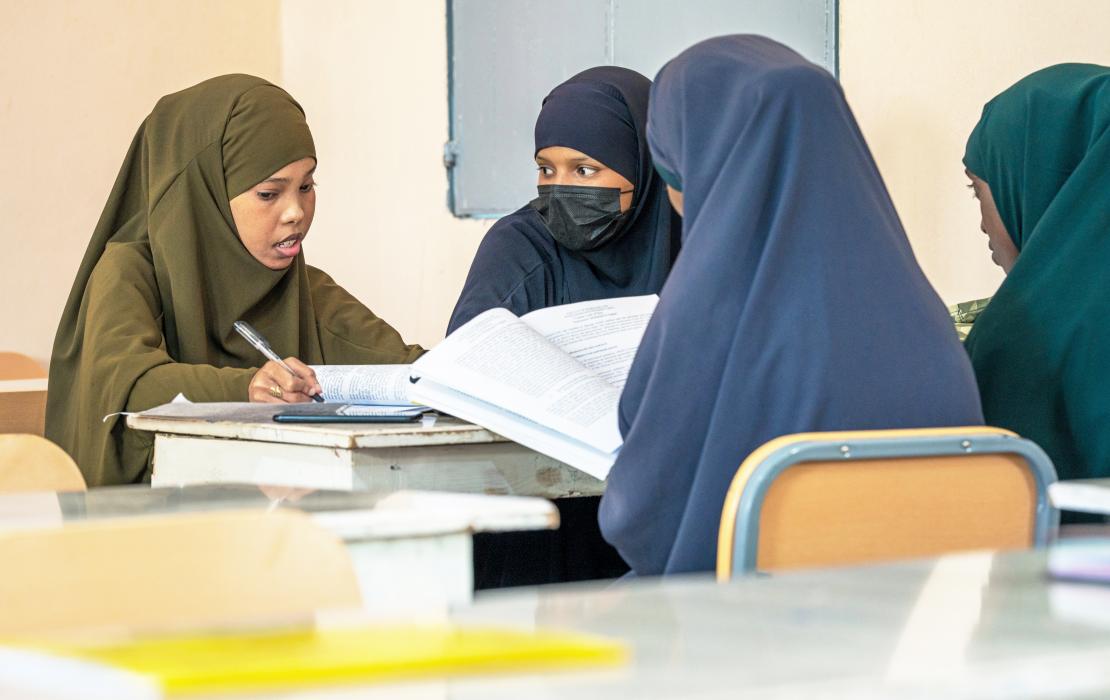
(746, 541)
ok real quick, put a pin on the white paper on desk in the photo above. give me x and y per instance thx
(41, 675)
(1082, 495)
(379, 410)
(369, 385)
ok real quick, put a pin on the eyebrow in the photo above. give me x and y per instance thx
(285, 179)
(578, 159)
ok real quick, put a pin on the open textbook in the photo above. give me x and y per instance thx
(549, 380)
(365, 385)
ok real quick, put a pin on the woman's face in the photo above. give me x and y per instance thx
(559, 165)
(1003, 251)
(274, 216)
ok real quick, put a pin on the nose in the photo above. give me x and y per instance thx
(292, 214)
(562, 177)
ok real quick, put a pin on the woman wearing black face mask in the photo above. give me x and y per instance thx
(601, 226)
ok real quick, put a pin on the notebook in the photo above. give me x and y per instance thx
(182, 666)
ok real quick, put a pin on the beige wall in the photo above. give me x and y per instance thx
(76, 79)
(917, 73)
(372, 77)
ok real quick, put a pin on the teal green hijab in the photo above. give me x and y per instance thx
(1041, 350)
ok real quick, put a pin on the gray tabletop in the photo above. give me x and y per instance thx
(350, 514)
(975, 625)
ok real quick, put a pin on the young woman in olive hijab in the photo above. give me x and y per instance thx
(1039, 160)
(203, 227)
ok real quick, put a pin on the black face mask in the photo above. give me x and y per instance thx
(580, 218)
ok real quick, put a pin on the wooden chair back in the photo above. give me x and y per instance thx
(33, 463)
(170, 573)
(22, 394)
(14, 365)
(831, 499)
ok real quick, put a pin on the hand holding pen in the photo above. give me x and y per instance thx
(279, 381)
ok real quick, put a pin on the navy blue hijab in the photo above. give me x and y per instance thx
(601, 112)
(796, 304)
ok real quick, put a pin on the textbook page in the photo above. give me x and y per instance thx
(502, 361)
(531, 434)
(370, 385)
(603, 335)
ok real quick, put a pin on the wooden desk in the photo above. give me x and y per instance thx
(411, 550)
(219, 443)
(23, 406)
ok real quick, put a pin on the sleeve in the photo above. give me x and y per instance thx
(350, 333)
(507, 272)
(125, 367)
(199, 383)
(138, 334)
(1085, 406)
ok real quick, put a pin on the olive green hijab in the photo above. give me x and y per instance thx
(1041, 349)
(166, 250)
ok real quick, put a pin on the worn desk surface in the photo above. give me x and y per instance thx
(351, 515)
(246, 421)
(220, 443)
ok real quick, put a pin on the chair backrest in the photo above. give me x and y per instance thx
(14, 365)
(162, 573)
(828, 499)
(22, 394)
(33, 463)
(23, 406)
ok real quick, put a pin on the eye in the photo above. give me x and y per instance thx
(267, 195)
(546, 170)
(585, 171)
(308, 187)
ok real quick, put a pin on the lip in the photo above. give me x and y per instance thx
(291, 251)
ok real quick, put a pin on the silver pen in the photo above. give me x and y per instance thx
(263, 346)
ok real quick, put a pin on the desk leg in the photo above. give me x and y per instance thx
(427, 575)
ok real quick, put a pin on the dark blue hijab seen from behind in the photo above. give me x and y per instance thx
(796, 304)
(601, 112)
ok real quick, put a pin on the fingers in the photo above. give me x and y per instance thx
(260, 388)
(289, 383)
(307, 374)
(273, 384)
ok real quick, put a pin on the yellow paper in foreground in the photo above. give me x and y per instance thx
(241, 662)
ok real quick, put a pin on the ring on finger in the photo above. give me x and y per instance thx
(276, 391)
